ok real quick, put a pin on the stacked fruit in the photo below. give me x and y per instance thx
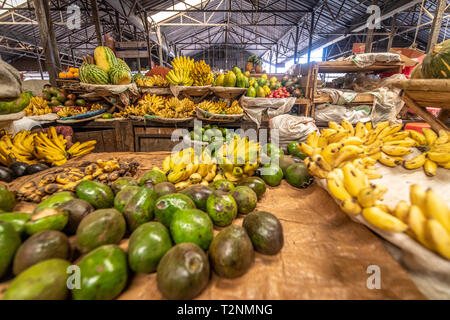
(182, 71)
(221, 107)
(201, 74)
(233, 78)
(279, 93)
(56, 98)
(32, 148)
(104, 68)
(67, 179)
(153, 81)
(37, 107)
(72, 73)
(260, 88)
(384, 143)
(68, 112)
(254, 62)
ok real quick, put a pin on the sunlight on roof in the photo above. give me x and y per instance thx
(11, 4)
(161, 16)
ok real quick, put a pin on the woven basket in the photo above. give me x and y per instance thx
(227, 92)
(167, 120)
(207, 116)
(160, 91)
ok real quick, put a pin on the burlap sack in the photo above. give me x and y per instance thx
(10, 82)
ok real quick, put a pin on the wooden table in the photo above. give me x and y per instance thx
(325, 254)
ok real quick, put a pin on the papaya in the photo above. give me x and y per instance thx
(183, 273)
(54, 201)
(78, 209)
(124, 196)
(147, 245)
(97, 194)
(230, 79)
(104, 226)
(220, 80)
(221, 208)
(121, 183)
(167, 205)
(41, 246)
(140, 208)
(231, 252)
(7, 199)
(154, 177)
(9, 243)
(256, 184)
(46, 280)
(265, 232)
(246, 199)
(47, 219)
(199, 194)
(251, 92)
(104, 274)
(17, 219)
(192, 225)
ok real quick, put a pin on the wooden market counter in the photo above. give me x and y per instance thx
(325, 254)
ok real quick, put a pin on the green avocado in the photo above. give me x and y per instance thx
(104, 226)
(140, 208)
(199, 194)
(246, 199)
(167, 205)
(104, 274)
(272, 174)
(96, 193)
(164, 188)
(148, 244)
(183, 273)
(154, 177)
(46, 280)
(285, 161)
(297, 175)
(265, 232)
(54, 201)
(124, 196)
(121, 183)
(231, 252)
(222, 185)
(7, 199)
(9, 243)
(294, 151)
(41, 246)
(78, 209)
(192, 225)
(272, 151)
(47, 219)
(17, 219)
(222, 208)
(256, 184)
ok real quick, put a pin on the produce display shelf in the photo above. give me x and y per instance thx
(351, 67)
(361, 98)
(318, 261)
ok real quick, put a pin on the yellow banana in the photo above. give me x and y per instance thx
(389, 161)
(436, 207)
(420, 138)
(430, 136)
(444, 137)
(395, 151)
(383, 220)
(350, 206)
(416, 221)
(439, 157)
(348, 126)
(401, 210)
(417, 196)
(368, 196)
(354, 179)
(430, 168)
(416, 162)
(439, 238)
(360, 130)
(337, 188)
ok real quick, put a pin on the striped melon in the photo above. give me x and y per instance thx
(119, 75)
(436, 64)
(105, 58)
(123, 64)
(417, 72)
(95, 75)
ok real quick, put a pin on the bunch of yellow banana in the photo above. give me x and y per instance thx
(19, 148)
(153, 81)
(175, 108)
(184, 168)
(79, 149)
(428, 218)
(150, 104)
(130, 111)
(239, 158)
(221, 107)
(51, 147)
(68, 112)
(96, 107)
(201, 74)
(235, 108)
(435, 151)
(181, 73)
(38, 106)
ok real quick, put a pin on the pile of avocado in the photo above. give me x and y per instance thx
(279, 166)
(179, 245)
(210, 133)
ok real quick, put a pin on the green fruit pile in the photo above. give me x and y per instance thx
(211, 133)
(179, 245)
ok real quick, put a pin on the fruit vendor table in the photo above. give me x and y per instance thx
(325, 254)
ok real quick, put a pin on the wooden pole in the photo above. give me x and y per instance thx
(311, 37)
(147, 39)
(52, 63)
(393, 32)
(436, 25)
(296, 43)
(160, 52)
(96, 22)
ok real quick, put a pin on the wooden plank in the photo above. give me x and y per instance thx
(109, 141)
(435, 123)
(349, 66)
(361, 98)
(434, 85)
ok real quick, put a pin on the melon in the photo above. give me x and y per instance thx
(90, 73)
(105, 58)
(123, 64)
(436, 64)
(119, 75)
(417, 72)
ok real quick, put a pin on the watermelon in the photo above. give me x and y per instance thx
(436, 64)
(93, 74)
(119, 75)
(123, 64)
(105, 58)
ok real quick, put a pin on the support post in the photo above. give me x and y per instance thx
(52, 62)
(276, 60)
(297, 29)
(119, 29)
(437, 23)
(160, 52)
(369, 36)
(147, 39)
(96, 21)
(311, 32)
(393, 32)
